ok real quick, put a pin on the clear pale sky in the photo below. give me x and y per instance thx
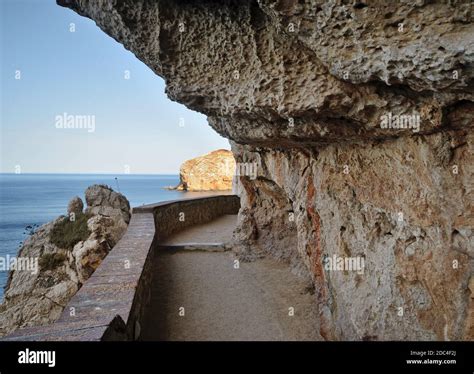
(82, 73)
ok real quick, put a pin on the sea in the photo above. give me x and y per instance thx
(30, 200)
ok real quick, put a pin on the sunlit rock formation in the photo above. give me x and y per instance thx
(212, 172)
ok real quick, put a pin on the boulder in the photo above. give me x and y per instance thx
(101, 199)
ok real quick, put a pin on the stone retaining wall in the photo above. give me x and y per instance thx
(110, 305)
(176, 216)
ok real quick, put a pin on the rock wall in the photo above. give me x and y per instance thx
(357, 117)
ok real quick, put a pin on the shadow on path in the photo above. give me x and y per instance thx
(201, 295)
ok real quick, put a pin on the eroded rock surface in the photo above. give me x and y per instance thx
(103, 200)
(37, 293)
(358, 116)
(212, 172)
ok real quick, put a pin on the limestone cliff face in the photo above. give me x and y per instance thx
(212, 172)
(357, 117)
(57, 261)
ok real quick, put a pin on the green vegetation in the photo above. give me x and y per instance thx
(67, 233)
(50, 261)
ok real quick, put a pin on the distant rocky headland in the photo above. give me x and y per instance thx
(213, 171)
(60, 256)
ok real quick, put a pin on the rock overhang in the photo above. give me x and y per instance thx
(294, 74)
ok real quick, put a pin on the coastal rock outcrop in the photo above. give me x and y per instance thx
(59, 256)
(212, 172)
(102, 200)
(358, 119)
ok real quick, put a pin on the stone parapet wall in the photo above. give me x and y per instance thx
(110, 305)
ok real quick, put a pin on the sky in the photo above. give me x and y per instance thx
(55, 82)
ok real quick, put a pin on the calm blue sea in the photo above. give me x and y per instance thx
(34, 199)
